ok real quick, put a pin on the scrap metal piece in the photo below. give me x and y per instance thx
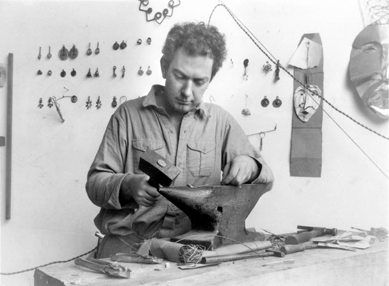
(135, 258)
(106, 267)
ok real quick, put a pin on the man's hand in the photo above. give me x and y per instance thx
(240, 170)
(138, 188)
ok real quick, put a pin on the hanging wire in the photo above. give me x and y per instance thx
(268, 54)
(44, 265)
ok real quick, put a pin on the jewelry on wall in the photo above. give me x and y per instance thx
(245, 65)
(89, 51)
(277, 72)
(245, 110)
(159, 17)
(265, 102)
(267, 67)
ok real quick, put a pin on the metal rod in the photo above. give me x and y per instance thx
(8, 178)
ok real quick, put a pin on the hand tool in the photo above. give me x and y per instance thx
(288, 249)
(106, 267)
(308, 233)
(276, 252)
(136, 258)
(161, 171)
(324, 231)
(234, 257)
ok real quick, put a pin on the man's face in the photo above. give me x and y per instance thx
(306, 101)
(369, 68)
(187, 78)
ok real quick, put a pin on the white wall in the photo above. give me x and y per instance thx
(52, 218)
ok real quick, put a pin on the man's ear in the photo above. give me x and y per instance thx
(164, 66)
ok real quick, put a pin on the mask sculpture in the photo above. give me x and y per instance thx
(369, 68)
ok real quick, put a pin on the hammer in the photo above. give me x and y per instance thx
(161, 172)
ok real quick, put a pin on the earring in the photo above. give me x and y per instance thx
(63, 53)
(115, 46)
(40, 105)
(140, 71)
(139, 42)
(73, 72)
(148, 40)
(123, 45)
(88, 103)
(98, 103)
(265, 101)
(267, 67)
(97, 51)
(277, 72)
(63, 73)
(245, 64)
(89, 51)
(73, 53)
(114, 102)
(277, 102)
(49, 54)
(148, 72)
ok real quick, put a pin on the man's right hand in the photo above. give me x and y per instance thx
(138, 188)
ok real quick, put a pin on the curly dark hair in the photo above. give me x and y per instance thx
(196, 39)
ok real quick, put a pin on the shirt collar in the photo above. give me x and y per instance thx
(157, 89)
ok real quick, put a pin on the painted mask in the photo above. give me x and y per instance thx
(369, 68)
(306, 101)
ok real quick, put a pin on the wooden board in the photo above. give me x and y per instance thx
(320, 266)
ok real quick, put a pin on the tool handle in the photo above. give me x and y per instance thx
(233, 257)
(302, 237)
(90, 265)
(331, 231)
(288, 249)
(153, 183)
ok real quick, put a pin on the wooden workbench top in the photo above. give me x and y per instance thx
(319, 266)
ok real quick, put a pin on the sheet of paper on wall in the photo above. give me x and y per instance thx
(307, 137)
(307, 55)
(3, 75)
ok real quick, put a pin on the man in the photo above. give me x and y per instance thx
(199, 138)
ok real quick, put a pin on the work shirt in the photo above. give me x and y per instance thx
(207, 140)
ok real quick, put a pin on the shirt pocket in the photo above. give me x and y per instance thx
(139, 146)
(201, 158)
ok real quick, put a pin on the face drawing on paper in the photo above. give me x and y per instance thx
(306, 101)
(369, 68)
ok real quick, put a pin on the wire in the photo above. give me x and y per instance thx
(44, 265)
(274, 61)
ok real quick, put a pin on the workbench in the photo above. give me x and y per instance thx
(319, 266)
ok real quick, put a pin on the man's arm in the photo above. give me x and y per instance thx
(245, 169)
(242, 162)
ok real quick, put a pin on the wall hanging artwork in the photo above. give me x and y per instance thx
(369, 69)
(306, 145)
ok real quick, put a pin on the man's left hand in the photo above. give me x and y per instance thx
(240, 170)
